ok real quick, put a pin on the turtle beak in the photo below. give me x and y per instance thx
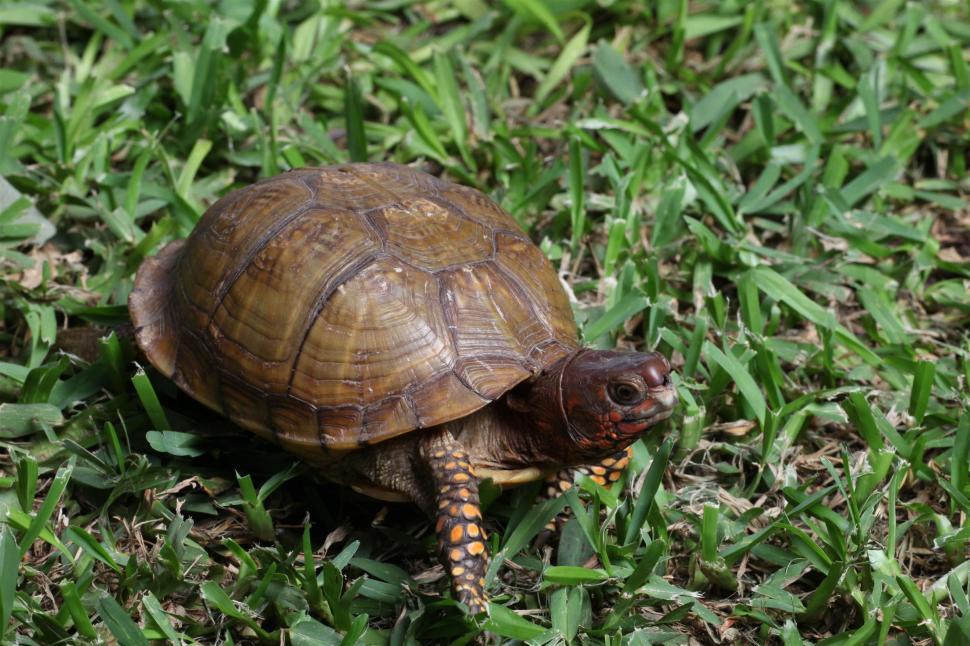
(656, 374)
(662, 392)
(657, 407)
(661, 396)
(666, 397)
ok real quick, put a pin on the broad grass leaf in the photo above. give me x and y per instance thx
(9, 573)
(648, 491)
(572, 575)
(507, 623)
(561, 67)
(742, 378)
(154, 609)
(922, 387)
(146, 393)
(629, 305)
(310, 632)
(119, 622)
(616, 74)
(539, 11)
(176, 443)
(80, 537)
(18, 420)
(354, 118)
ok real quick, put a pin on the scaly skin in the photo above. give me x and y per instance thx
(562, 422)
(605, 473)
(461, 537)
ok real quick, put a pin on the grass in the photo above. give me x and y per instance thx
(772, 194)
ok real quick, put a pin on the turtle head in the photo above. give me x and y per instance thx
(610, 398)
(594, 403)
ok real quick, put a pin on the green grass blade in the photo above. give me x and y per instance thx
(538, 11)
(82, 622)
(120, 623)
(649, 491)
(146, 393)
(154, 609)
(39, 521)
(354, 118)
(922, 387)
(741, 377)
(563, 65)
(9, 573)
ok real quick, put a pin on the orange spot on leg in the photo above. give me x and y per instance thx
(456, 534)
(476, 548)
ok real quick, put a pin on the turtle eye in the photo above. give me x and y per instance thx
(625, 393)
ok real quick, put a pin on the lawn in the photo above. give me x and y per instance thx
(771, 194)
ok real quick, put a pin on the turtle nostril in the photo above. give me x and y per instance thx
(655, 374)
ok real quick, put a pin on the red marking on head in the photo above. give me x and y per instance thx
(643, 408)
(633, 428)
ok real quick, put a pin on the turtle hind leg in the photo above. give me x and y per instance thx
(435, 472)
(461, 537)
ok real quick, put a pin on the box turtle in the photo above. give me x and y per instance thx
(402, 334)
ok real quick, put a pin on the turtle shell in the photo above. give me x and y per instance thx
(337, 307)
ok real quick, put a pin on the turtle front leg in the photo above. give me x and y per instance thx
(461, 538)
(608, 471)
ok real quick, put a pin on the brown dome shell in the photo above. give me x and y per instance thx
(337, 307)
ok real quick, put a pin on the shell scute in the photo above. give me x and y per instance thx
(296, 424)
(195, 371)
(489, 312)
(432, 235)
(477, 206)
(245, 403)
(380, 332)
(529, 268)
